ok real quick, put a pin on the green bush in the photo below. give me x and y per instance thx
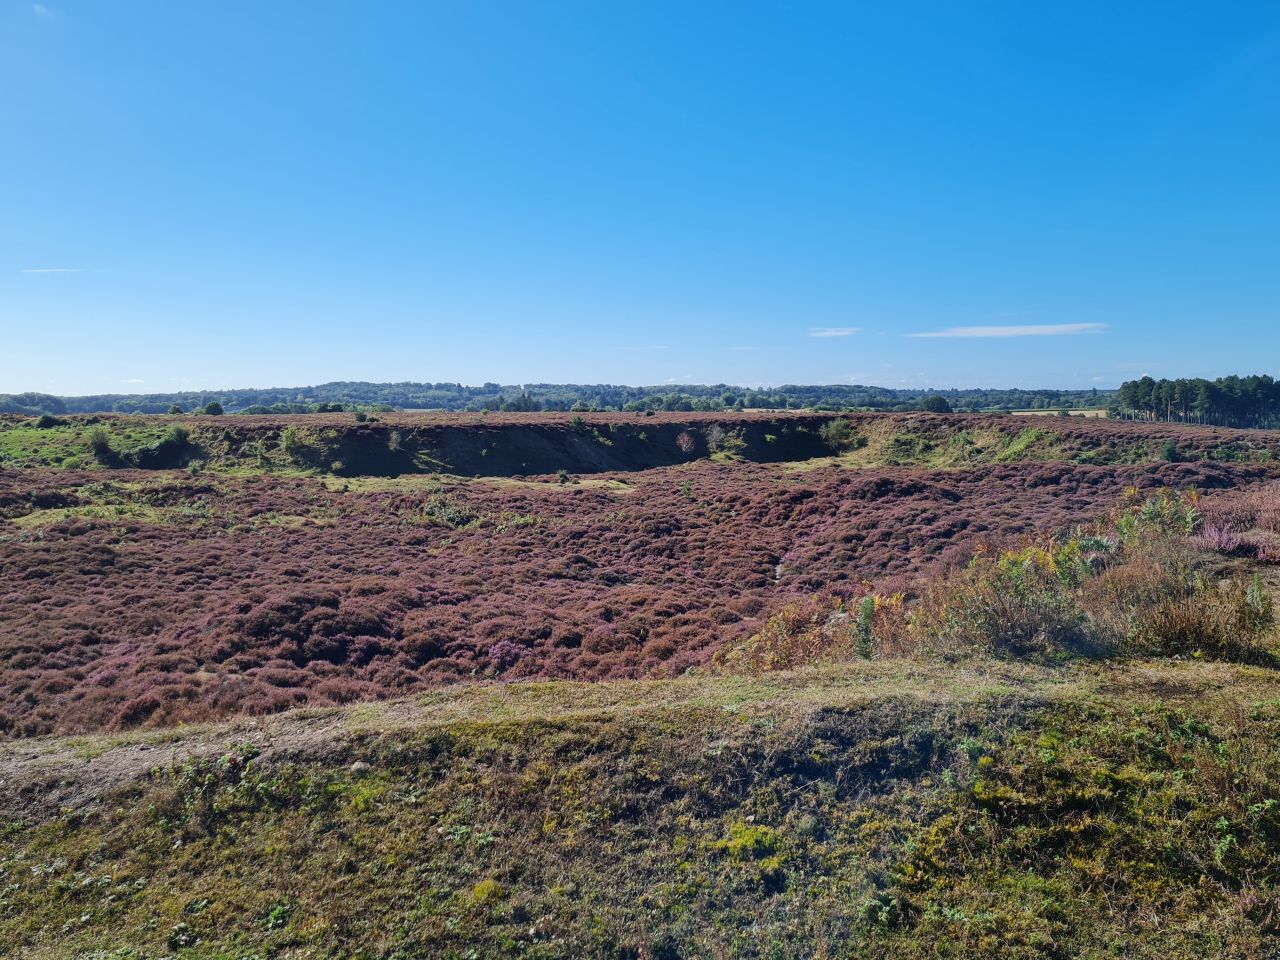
(99, 442)
(840, 435)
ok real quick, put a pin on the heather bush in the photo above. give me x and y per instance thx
(1219, 539)
(1242, 511)
(593, 582)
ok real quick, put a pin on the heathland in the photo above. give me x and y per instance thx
(681, 684)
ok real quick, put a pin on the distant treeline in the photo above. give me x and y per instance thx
(1225, 402)
(553, 396)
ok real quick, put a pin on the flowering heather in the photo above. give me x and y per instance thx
(132, 597)
(1219, 539)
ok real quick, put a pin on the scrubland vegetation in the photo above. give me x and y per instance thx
(923, 686)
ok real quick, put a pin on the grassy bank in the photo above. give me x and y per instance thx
(874, 809)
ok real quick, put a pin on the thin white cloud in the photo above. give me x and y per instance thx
(1021, 330)
(833, 331)
(133, 380)
(52, 270)
(744, 349)
(40, 10)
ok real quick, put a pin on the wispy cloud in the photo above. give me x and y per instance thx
(133, 380)
(1021, 330)
(833, 331)
(52, 270)
(40, 10)
(744, 349)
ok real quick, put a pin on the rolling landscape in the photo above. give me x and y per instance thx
(616, 684)
(563, 480)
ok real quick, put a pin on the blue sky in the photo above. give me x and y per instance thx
(204, 195)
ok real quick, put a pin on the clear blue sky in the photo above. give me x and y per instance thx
(221, 194)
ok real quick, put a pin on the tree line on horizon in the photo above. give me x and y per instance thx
(342, 395)
(1250, 402)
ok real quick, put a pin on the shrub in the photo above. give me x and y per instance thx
(1018, 605)
(292, 445)
(99, 442)
(720, 440)
(175, 410)
(685, 442)
(169, 451)
(1226, 621)
(815, 629)
(840, 435)
(213, 408)
(440, 511)
(1130, 586)
(46, 421)
(1219, 539)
